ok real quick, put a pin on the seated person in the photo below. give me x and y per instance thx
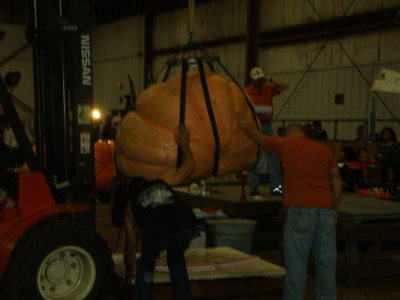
(308, 129)
(349, 175)
(318, 133)
(360, 133)
(388, 155)
(346, 156)
(281, 131)
(363, 161)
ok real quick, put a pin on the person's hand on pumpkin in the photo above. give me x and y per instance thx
(182, 136)
(253, 133)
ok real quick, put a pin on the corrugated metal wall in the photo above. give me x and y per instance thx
(316, 70)
(14, 38)
(276, 14)
(117, 52)
(320, 69)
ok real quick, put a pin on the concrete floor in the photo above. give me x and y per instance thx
(382, 289)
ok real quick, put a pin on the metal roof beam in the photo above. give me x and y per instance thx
(377, 20)
(337, 27)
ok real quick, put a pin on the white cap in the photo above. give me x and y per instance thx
(256, 73)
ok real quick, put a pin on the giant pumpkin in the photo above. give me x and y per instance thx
(145, 139)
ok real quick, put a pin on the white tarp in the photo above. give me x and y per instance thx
(387, 81)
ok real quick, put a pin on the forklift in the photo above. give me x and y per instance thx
(49, 248)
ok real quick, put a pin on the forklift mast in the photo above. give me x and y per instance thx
(63, 88)
(46, 251)
(61, 42)
(60, 32)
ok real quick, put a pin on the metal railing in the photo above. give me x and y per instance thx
(336, 123)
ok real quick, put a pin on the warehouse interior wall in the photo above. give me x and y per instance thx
(283, 13)
(117, 51)
(320, 69)
(317, 69)
(14, 39)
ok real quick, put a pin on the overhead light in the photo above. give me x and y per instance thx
(96, 114)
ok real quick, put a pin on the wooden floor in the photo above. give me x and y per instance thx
(384, 288)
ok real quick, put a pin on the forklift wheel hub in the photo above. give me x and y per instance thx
(68, 272)
(57, 270)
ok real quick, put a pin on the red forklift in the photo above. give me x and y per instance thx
(49, 248)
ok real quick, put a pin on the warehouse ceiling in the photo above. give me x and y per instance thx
(13, 11)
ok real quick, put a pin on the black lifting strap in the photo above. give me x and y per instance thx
(210, 115)
(210, 65)
(182, 106)
(168, 71)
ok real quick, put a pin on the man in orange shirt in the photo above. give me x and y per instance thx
(312, 193)
(262, 91)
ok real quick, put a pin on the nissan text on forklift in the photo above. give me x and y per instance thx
(48, 245)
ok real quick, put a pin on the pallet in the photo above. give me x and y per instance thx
(256, 277)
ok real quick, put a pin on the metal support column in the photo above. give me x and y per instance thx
(253, 7)
(148, 44)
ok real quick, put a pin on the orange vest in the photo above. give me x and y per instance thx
(263, 97)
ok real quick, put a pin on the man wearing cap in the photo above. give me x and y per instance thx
(262, 91)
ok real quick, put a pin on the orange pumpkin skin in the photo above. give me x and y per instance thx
(145, 139)
(104, 156)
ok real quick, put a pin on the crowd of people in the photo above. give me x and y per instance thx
(382, 167)
(312, 184)
(302, 170)
(355, 164)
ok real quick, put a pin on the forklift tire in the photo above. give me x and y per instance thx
(60, 260)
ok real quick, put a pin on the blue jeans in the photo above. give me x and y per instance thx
(310, 230)
(175, 244)
(274, 168)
